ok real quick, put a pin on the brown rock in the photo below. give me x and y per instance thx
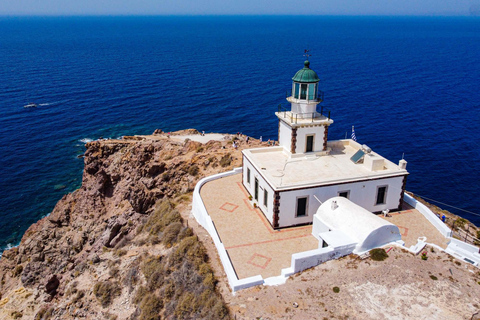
(52, 285)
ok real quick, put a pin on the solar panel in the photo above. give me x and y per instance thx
(357, 156)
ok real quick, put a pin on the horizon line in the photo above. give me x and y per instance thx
(234, 15)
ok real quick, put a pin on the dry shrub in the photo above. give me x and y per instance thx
(185, 232)
(78, 297)
(226, 160)
(150, 307)
(141, 292)
(191, 249)
(18, 270)
(378, 254)
(187, 304)
(193, 170)
(154, 271)
(131, 278)
(106, 291)
(45, 313)
(120, 252)
(114, 272)
(163, 215)
(170, 234)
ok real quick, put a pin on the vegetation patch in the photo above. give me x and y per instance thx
(18, 270)
(336, 289)
(150, 307)
(193, 170)
(163, 215)
(44, 313)
(226, 160)
(433, 277)
(378, 254)
(106, 292)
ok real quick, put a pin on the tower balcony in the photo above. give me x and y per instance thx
(298, 119)
(303, 97)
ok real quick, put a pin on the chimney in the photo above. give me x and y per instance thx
(402, 164)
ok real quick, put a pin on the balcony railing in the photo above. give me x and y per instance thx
(295, 117)
(309, 97)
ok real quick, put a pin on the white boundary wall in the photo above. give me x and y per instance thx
(462, 251)
(203, 218)
(427, 213)
(300, 261)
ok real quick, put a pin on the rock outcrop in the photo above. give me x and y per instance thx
(96, 233)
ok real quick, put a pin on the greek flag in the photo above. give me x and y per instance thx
(354, 138)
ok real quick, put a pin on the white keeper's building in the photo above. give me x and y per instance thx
(290, 181)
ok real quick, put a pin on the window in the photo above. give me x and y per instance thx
(248, 175)
(256, 189)
(265, 198)
(302, 207)
(303, 91)
(309, 146)
(311, 91)
(381, 195)
(297, 90)
(344, 194)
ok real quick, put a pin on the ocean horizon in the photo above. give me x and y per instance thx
(409, 85)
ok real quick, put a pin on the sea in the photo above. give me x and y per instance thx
(409, 85)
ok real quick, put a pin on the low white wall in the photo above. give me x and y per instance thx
(312, 258)
(203, 218)
(427, 213)
(462, 250)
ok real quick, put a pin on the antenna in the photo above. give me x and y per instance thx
(306, 53)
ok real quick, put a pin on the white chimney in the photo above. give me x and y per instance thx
(402, 164)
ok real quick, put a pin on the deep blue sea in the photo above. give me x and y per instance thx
(409, 85)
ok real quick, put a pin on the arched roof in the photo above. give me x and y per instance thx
(358, 223)
(306, 75)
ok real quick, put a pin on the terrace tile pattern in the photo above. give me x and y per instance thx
(253, 246)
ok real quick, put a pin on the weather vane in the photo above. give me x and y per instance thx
(306, 53)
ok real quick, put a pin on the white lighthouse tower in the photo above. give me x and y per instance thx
(303, 130)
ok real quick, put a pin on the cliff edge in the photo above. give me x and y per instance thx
(117, 248)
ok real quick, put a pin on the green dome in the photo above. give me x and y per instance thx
(306, 74)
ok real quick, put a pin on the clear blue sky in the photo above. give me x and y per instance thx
(228, 7)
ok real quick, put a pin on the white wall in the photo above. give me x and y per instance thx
(361, 193)
(285, 136)
(203, 218)
(305, 110)
(427, 213)
(319, 132)
(267, 211)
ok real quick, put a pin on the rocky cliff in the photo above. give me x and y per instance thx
(117, 248)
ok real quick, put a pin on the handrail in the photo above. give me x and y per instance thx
(309, 97)
(294, 116)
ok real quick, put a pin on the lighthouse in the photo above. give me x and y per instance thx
(289, 182)
(304, 128)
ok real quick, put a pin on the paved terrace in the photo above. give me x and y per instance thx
(253, 246)
(256, 249)
(412, 225)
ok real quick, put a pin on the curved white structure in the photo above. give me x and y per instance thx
(340, 222)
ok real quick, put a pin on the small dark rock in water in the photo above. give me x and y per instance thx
(59, 187)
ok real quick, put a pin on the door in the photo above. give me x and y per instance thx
(256, 189)
(309, 144)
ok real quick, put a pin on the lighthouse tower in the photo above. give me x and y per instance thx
(303, 129)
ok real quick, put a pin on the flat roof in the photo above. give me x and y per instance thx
(285, 171)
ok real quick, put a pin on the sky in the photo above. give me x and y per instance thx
(238, 7)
